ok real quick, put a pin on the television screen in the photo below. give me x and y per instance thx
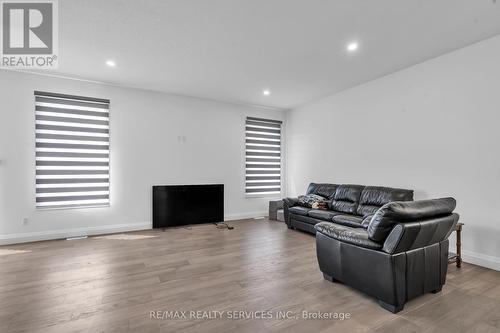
(178, 205)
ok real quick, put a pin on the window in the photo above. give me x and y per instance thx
(263, 156)
(72, 151)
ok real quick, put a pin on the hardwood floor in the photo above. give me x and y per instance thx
(112, 285)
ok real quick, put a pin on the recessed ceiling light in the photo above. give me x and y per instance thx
(111, 63)
(353, 46)
(266, 92)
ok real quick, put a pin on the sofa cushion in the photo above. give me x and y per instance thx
(374, 197)
(348, 220)
(406, 211)
(299, 210)
(325, 215)
(305, 219)
(346, 198)
(356, 236)
(325, 190)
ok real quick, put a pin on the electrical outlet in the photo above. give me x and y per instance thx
(25, 221)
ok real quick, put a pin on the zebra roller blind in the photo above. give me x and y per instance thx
(263, 156)
(72, 151)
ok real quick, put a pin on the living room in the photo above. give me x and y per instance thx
(198, 166)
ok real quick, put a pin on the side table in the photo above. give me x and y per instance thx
(274, 207)
(457, 257)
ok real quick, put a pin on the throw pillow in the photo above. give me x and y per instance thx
(319, 205)
(310, 199)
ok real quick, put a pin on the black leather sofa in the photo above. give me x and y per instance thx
(397, 252)
(349, 205)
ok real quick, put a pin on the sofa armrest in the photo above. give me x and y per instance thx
(413, 235)
(290, 202)
(287, 203)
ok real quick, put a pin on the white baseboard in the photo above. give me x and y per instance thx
(241, 216)
(481, 260)
(65, 233)
(26, 237)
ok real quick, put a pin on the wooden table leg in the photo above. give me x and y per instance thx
(459, 246)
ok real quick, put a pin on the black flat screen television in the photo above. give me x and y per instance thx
(178, 205)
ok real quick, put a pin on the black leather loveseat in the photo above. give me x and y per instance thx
(396, 253)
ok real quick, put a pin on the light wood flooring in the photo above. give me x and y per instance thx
(112, 285)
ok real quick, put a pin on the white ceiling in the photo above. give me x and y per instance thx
(231, 50)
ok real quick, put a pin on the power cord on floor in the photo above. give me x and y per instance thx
(223, 225)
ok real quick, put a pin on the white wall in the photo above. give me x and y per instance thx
(433, 128)
(145, 150)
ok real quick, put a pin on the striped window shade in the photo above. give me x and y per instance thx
(263, 156)
(72, 151)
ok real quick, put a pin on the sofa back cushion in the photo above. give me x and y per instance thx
(396, 212)
(325, 190)
(374, 197)
(346, 198)
(412, 235)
